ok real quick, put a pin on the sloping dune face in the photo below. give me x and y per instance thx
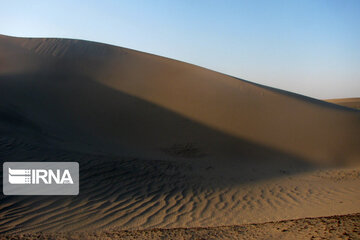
(89, 86)
(162, 143)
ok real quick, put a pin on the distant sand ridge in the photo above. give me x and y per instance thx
(347, 102)
(162, 143)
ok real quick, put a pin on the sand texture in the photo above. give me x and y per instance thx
(334, 227)
(166, 144)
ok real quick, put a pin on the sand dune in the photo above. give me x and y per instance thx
(162, 143)
(347, 102)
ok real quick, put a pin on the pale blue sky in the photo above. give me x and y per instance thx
(308, 47)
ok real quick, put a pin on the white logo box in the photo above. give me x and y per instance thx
(41, 178)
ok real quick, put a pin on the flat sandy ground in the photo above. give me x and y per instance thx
(334, 227)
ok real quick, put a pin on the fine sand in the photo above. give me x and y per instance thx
(334, 227)
(166, 144)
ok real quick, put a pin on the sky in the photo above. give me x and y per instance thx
(307, 47)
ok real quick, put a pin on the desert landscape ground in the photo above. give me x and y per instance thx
(334, 227)
(171, 150)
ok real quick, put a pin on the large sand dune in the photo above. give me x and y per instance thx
(162, 143)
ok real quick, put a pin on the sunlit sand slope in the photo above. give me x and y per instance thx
(347, 102)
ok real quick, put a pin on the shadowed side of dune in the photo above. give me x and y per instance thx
(136, 162)
(288, 122)
(97, 119)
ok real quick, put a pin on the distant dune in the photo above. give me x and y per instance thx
(163, 143)
(347, 102)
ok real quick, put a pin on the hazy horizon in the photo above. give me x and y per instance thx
(306, 47)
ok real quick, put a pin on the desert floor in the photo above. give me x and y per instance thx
(334, 227)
